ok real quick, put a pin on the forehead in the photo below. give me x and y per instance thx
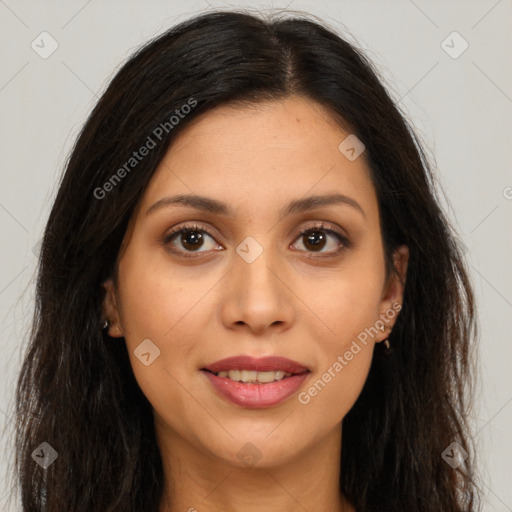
(263, 154)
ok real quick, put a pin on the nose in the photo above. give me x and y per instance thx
(258, 296)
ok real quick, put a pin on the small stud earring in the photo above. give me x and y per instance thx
(105, 325)
(386, 344)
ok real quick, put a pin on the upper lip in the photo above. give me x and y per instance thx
(263, 364)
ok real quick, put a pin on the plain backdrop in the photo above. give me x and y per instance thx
(459, 100)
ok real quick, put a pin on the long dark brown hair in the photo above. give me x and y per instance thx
(76, 390)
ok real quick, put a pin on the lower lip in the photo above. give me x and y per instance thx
(256, 395)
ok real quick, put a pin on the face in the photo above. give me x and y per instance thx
(263, 271)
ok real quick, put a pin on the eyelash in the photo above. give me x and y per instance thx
(312, 229)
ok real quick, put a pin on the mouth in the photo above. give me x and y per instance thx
(256, 370)
(256, 383)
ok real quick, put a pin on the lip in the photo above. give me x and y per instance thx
(256, 396)
(263, 364)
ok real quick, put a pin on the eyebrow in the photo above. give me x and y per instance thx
(210, 205)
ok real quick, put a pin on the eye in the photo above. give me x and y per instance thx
(317, 238)
(191, 239)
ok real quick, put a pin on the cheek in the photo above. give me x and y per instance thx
(344, 356)
(348, 304)
(155, 305)
(155, 295)
(359, 290)
(333, 391)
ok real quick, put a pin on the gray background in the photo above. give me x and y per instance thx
(461, 108)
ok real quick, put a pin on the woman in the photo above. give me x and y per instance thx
(248, 296)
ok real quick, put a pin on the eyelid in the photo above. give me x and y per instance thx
(185, 227)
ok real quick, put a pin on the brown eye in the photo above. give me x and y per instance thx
(318, 238)
(189, 239)
(314, 240)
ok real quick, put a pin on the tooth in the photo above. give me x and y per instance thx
(248, 375)
(251, 376)
(235, 375)
(266, 376)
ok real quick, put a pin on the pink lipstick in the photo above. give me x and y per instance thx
(256, 382)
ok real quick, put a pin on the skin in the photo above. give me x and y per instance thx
(292, 301)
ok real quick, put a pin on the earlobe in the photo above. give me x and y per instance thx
(111, 310)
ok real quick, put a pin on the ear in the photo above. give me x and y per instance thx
(111, 309)
(393, 293)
